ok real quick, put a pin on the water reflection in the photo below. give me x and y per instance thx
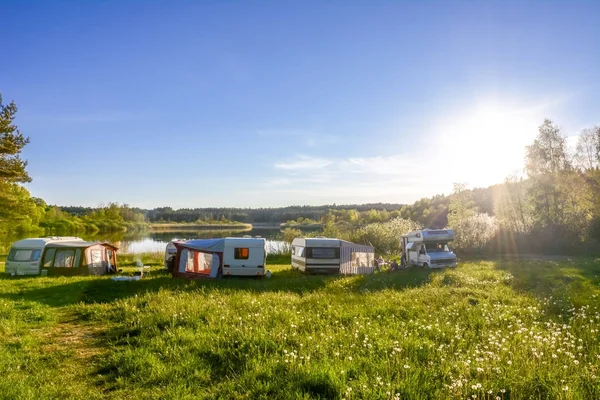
(155, 241)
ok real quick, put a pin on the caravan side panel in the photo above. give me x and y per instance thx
(244, 259)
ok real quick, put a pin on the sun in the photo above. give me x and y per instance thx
(486, 143)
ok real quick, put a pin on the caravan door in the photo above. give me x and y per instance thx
(423, 258)
(413, 253)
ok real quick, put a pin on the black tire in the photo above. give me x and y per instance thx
(425, 265)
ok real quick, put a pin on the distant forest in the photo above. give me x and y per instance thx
(275, 215)
(429, 212)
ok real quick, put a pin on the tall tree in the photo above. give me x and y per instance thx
(17, 208)
(510, 206)
(473, 229)
(588, 149)
(545, 161)
(597, 140)
(461, 204)
(12, 141)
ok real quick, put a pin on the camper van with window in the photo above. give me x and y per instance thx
(332, 256)
(428, 248)
(211, 258)
(60, 256)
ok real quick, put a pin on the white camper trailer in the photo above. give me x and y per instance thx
(61, 256)
(428, 248)
(210, 258)
(332, 256)
(24, 257)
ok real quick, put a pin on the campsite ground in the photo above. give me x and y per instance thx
(488, 329)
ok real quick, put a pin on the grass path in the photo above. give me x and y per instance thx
(82, 339)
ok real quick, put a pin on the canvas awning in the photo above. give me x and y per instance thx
(201, 258)
(208, 245)
(356, 259)
(79, 245)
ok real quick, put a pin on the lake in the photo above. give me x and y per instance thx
(155, 241)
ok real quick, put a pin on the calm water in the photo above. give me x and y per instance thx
(155, 241)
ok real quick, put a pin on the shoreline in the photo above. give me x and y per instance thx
(301, 226)
(177, 226)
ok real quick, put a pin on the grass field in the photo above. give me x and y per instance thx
(486, 330)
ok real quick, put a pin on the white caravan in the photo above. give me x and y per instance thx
(332, 256)
(227, 256)
(24, 257)
(428, 248)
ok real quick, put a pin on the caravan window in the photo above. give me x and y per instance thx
(78, 258)
(437, 247)
(64, 258)
(197, 262)
(20, 255)
(49, 257)
(323, 252)
(36, 255)
(298, 251)
(241, 253)
(96, 258)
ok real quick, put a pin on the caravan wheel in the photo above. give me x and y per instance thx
(425, 265)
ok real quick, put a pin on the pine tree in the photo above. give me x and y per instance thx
(12, 141)
(18, 211)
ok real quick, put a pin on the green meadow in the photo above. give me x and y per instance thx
(495, 329)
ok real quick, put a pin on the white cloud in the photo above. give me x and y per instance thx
(303, 162)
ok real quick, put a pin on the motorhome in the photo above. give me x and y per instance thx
(211, 258)
(428, 248)
(332, 256)
(60, 256)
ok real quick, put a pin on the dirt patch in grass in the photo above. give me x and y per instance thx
(70, 335)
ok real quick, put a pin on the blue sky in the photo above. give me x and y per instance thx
(193, 104)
